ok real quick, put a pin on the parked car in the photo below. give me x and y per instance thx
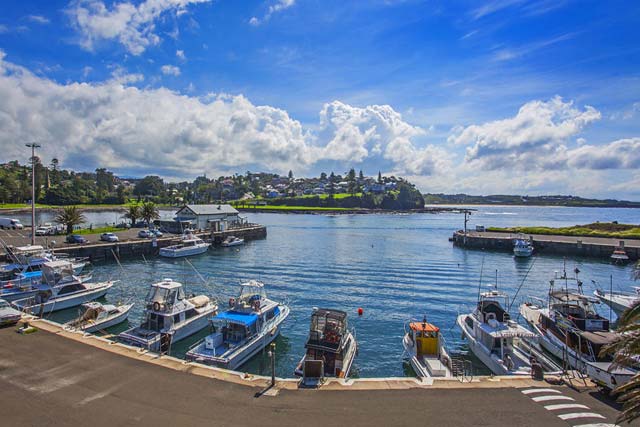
(11, 223)
(157, 233)
(108, 237)
(45, 230)
(75, 238)
(8, 314)
(144, 234)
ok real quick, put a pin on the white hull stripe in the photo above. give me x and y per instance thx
(547, 398)
(540, 390)
(565, 406)
(598, 425)
(575, 415)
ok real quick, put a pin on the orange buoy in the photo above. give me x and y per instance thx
(360, 311)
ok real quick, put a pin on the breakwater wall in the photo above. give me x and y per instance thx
(598, 247)
(105, 251)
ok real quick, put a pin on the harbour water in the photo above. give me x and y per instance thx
(393, 266)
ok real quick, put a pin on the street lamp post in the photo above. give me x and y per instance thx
(33, 147)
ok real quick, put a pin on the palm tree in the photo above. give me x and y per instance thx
(149, 212)
(133, 214)
(70, 216)
(625, 351)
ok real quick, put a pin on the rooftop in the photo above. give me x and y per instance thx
(209, 209)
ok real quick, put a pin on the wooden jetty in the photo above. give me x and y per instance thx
(601, 247)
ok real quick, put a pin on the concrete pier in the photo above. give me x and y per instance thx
(132, 246)
(599, 247)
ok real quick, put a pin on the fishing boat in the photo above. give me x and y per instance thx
(96, 317)
(425, 345)
(232, 241)
(251, 323)
(618, 301)
(569, 328)
(190, 245)
(20, 285)
(330, 347)
(619, 255)
(61, 289)
(33, 257)
(522, 247)
(169, 317)
(492, 335)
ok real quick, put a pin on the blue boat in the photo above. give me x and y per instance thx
(252, 322)
(23, 285)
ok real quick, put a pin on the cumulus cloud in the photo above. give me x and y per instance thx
(276, 7)
(123, 127)
(133, 26)
(170, 70)
(354, 134)
(620, 154)
(534, 139)
(180, 55)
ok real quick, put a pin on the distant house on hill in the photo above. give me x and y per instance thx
(216, 217)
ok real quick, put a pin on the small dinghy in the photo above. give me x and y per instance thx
(97, 317)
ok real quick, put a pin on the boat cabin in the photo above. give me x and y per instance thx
(54, 272)
(327, 340)
(167, 305)
(95, 312)
(426, 337)
(578, 309)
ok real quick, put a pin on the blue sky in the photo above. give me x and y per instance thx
(504, 96)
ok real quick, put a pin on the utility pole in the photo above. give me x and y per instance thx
(466, 219)
(33, 147)
(272, 355)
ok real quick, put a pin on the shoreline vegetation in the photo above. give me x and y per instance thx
(596, 229)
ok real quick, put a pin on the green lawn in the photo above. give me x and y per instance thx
(291, 208)
(98, 230)
(86, 206)
(599, 229)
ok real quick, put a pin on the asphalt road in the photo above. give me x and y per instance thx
(50, 380)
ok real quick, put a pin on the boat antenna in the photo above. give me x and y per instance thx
(496, 279)
(480, 281)
(197, 272)
(610, 295)
(521, 283)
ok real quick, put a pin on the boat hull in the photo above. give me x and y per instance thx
(106, 323)
(61, 303)
(152, 343)
(246, 352)
(347, 361)
(420, 368)
(178, 253)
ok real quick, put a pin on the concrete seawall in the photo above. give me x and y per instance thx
(102, 251)
(599, 247)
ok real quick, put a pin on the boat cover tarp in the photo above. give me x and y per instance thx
(246, 319)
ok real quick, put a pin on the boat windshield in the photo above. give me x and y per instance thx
(252, 291)
(169, 294)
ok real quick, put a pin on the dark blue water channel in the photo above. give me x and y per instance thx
(393, 266)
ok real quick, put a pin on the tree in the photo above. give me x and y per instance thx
(351, 177)
(625, 350)
(70, 216)
(323, 176)
(361, 175)
(379, 178)
(133, 214)
(149, 212)
(290, 175)
(149, 185)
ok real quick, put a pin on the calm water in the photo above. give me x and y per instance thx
(393, 266)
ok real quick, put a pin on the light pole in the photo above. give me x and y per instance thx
(33, 147)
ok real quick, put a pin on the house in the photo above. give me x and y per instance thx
(216, 217)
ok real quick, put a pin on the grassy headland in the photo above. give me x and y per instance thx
(596, 229)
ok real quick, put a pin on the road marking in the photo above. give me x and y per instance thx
(565, 406)
(541, 390)
(546, 398)
(575, 415)
(598, 425)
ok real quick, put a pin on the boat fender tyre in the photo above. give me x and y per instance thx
(256, 305)
(232, 302)
(156, 306)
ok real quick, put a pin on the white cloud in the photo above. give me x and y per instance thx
(620, 154)
(277, 6)
(533, 139)
(131, 25)
(86, 71)
(122, 127)
(170, 70)
(38, 19)
(180, 55)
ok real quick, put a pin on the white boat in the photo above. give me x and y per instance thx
(618, 301)
(492, 335)
(190, 245)
(97, 317)
(61, 290)
(619, 255)
(33, 257)
(232, 241)
(522, 247)
(330, 347)
(252, 322)
(169, 317)
(569, 328)
(425, 346)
